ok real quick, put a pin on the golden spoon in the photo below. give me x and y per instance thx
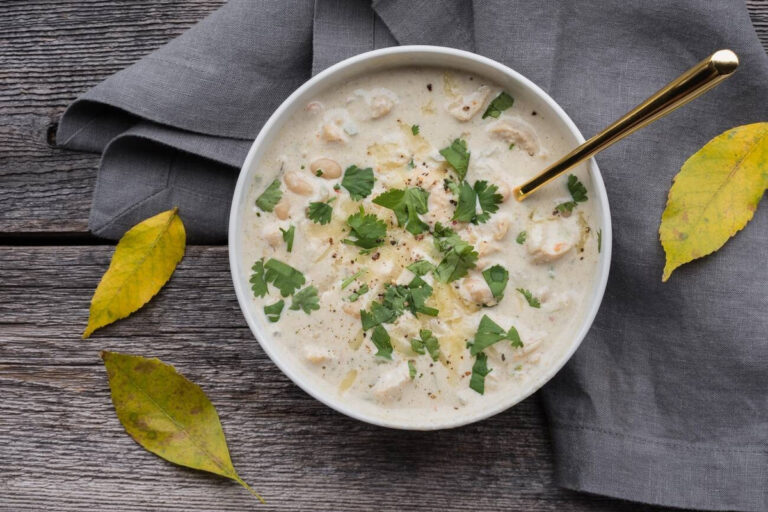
(691, 84)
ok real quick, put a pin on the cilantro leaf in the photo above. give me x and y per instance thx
(427, 343)
(421, 267)
(465, 209)
(368, 230)
(411, 369)
(532, 301)
(415, 129)
(306, 300)
(479, 372)
(288, 235)
(284, 277)
(459, 257)
(396, 300)
(348, 280)
(450, 185)
(407, 204)
(320, 212)
(458, 157)
(489, 333)
(578, 195)
(489, 199)
(270, 197)
(499, 104)
(377, 316)
(418, 293)
(273, 311)
(496, 277)
(380, 339)
(358, 182)
(357, 293)
(258, 283)
(521, 236)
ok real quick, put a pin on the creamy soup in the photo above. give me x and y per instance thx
(389, 259)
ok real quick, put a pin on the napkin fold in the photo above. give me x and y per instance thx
(666, 401)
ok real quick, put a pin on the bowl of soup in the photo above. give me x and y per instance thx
(380, 258)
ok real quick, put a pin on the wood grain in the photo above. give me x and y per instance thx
(64, 449)
(52, 50)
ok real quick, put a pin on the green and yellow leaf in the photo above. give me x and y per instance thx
(168, 415)
(714, 195)
(144, 260)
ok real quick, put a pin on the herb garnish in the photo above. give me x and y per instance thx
(273, 311)
(397, 299)
(258, 283)
(499, 104)
(306, 300)
(427, 343)
(521, 236)
(319, 172)
(483, 193)
(359, 182)
(320, 212)
(479, 372)
(459, 257)
(368, 230)
(457, 156)
(357, 293)
(532, 301)
(421, 267)
(380, 339)
(496, 277)
(411, 369)
(489, 333)
(288, 235)
(348, 280)
(578, 195)
(283, 276)
(407, 204)
(415, 129)
(270, 197)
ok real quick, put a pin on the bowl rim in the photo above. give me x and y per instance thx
(295, 374)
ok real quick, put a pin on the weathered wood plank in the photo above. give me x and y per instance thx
(52, 50)
(64, 449)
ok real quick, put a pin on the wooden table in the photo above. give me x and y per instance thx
(61, 445)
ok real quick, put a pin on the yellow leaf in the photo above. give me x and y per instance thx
(143, 262)
(715, 194)
(168, 415)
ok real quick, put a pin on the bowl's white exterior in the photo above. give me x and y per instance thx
(369, 62)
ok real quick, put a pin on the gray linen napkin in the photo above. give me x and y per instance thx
(667, 400)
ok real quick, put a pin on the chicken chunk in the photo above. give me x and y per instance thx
(390, 385)
(550, 239)
(380, 101)
(315, 354)
(473, 288)
(465, 107)
(516, 131)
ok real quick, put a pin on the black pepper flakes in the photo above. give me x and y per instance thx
(429, 87)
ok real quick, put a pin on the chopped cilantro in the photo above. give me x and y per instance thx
(359, 182)
(306, 300)
(532, 301)
(337, 187)
(319, 172)
(348, 280)
(488, 197)
(377, 316)
(407, 204)
(357, 293)
(421, 267)
(284, 277)
(458, 157)
(459, 256)
(512, 146)
(450, 185)
(380, 339)
(499, 104)
(599, 239)
(288, 236)
(273, 311)
(258, 283)
(320, 212)
(368, 230)
(489, 333)
(270, 197)
(396, 300)
(578, 195)
(521, 236)
(415, 129)
(427, 343)
(496, 277)
(411, 165)
(479, 372)
(411, 369)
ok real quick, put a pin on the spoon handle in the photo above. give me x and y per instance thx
(691, 84)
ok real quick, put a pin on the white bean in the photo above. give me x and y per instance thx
(296, 184)
(282, 209)
(330, 169)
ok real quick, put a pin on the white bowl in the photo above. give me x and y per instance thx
(433, 56)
